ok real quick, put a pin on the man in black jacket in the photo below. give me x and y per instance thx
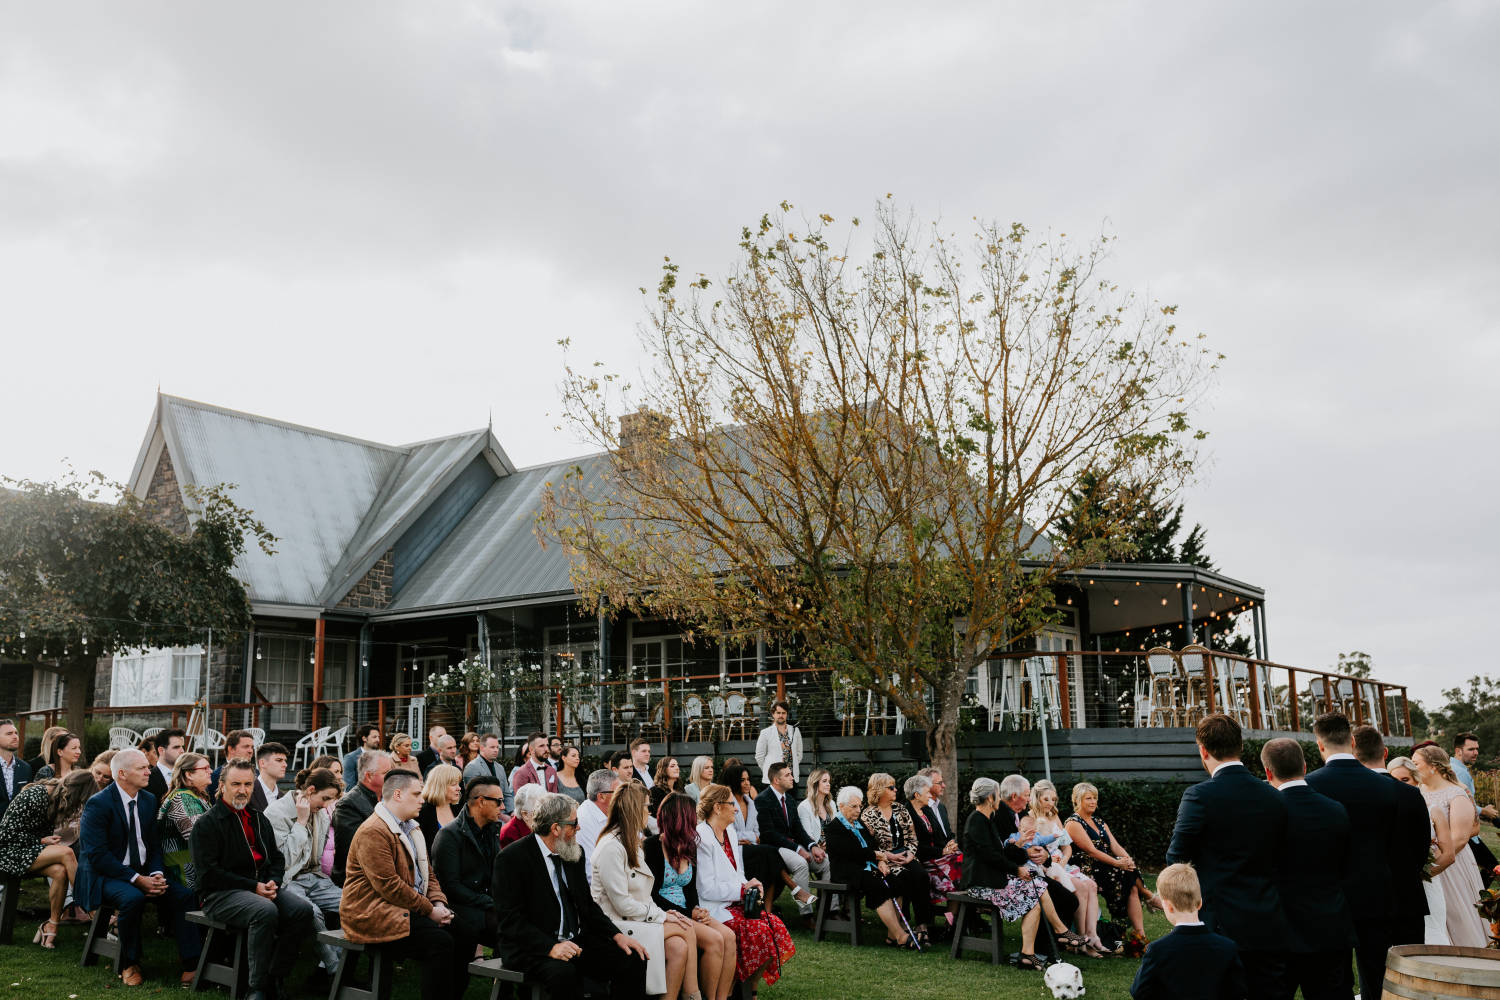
(1374, 821)
(1409, 842)
(1015, 799)
(937, 812)
(356, 806)
(803, 859)
(428, 757)
(1232, 829)
(1312, 881)
(240, 871)
(550, 926)
(463, 857)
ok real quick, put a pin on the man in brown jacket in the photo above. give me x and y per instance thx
(391, 895)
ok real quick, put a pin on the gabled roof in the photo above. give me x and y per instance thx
(329, 499)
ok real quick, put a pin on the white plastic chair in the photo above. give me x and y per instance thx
(210, 743)
(332, 742)
(258, 735)
(305, 747)
(151, 733)
(122, 737)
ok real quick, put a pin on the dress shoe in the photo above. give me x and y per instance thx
(188, 977)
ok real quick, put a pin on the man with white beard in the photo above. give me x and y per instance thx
(550, 927)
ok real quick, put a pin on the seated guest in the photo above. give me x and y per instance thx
(441, 793)
(1101, 858)
(996, 873)
(569, 781)
(671, 855)
(14, 772)
(817, 807)
(519, 825)
(239, 744)
(555, 749)
(357, 806)
(621, 885)
(185, 802)
(270, 765)
(488, 764)
(120, 865)
(63, 757)
(1192, 962)
(700, 776)
(171, 745)
(391, 897)
(44, 751)
(1062, 869)
(369, 739)
(762, 861)
(463, 856)
(779, 828)
(895, 833)
(102, 770)
(240, 871)
(328, 762)
(536, 770)
(550, 927)
(854, 861)
(623, 765)
(938, 854)
(668, 779)
(763, 944)
(593, 813)
(29, 842)
(299, 822)
(468, 750)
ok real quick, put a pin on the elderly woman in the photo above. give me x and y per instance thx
(763, 944)
(1459, 876)
(854, 860)
(621, 885)
(998, 873)
(1100, 857)
(29, 843)
(939, 855)
(895, 833)
(700, 776)
(185, 801)
(528, 797)
(1061, 869)
(441, 793)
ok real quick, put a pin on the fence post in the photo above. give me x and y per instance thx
(1406, 710)
(1385, 722)
(1291, 699)
(319, 628)
(1255, 717)
(1063, 692)
(1208, 681)
(380, 712)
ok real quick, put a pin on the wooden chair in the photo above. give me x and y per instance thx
(382, 969)
(825, 922)
(235, 973)
(1168, 705)
(716, 717)
(10, 901)
(97, 942)
(506, 982)
(693, 722)
(736, 715)
(1193, 659)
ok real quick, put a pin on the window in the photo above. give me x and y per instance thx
(155, 676)
(279, 677)
(48, 689)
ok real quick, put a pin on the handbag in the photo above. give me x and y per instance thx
(753, 903)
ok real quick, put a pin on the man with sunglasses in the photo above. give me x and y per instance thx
(463, 856)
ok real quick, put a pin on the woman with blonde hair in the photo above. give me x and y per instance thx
(400, 750)
(817, 808)
(1105, 861)
(185, 801)
(50, 734)
(622, 884)
(895, 842)
(441, 793)
(700, 776)
(1459, 877)
(1061, 869)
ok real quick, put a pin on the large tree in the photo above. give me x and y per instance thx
(867, 448)
(82, 578)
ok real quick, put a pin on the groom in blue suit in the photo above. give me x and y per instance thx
(120, 865)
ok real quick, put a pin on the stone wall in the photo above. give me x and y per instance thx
(165, 496)
(373, 592)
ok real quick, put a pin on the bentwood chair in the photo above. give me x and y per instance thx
(1166, 690)
(1232, 687)
(1194, 661)
(122, 737)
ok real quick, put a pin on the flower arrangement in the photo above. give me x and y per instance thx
(1135, 943)
(1489, 908)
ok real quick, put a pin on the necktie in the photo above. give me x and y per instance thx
(569, 914)
(784, 814)
(135, 839)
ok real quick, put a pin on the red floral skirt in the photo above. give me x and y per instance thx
(760, 941)
(944, 874)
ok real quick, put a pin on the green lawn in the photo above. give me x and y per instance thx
(831, 969)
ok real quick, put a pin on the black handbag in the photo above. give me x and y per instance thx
(753, 903)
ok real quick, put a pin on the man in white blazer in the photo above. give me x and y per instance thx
(780, 742)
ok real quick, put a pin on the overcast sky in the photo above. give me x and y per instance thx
(379, 218)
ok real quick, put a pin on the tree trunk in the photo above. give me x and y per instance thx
(79, 672)
(942, 739)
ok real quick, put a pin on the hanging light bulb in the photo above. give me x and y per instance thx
(257, 652)
(1163, 602)
(85, 640)
(23, 633)
(1117, 602)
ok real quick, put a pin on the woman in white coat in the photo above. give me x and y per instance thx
(299, 822)
(621, 885)
(763, 944)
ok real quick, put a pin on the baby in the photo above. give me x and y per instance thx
(1027, 837)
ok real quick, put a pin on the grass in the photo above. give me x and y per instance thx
(830, 969)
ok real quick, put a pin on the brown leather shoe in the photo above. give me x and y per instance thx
(132, 976)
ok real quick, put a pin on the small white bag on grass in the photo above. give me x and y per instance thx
(1064, 980)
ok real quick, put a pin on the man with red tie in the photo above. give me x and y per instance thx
(803, 858)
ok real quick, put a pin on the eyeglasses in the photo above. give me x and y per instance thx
(205, 766)
(567, 822)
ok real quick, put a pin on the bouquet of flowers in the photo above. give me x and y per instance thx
(1135, 943)
(1429, 866)
(1489, 908)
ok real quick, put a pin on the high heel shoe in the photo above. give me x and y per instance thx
(44, 937)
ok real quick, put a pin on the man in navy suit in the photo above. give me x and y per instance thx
(1312, 880)
(1409, 842)
(1232, 829)
(14, 772)
(803, 859)
(1378, 830)
(120, 865)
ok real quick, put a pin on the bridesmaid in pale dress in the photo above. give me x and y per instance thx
(1460, 880)
(1435, 924)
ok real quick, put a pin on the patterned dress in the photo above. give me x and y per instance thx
(1114, 883)
(22, 828)
(174, 821)
(764, 939)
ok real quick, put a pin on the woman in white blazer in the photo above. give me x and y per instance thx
(763, 944)
(621, 885)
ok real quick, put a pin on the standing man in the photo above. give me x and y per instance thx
(1370, 801)
(170, 744)
(803, 858)
(428, 758)
(463, 856)
(487, 764)
(550, 927)
(1311, 883)
(1232, 829)
(1407, 856)
(240, 870)
(369, 739)
(554, 752)
(120, 865)
(447, 748)
(270, 762)
(14, 772)
(357, 806)
(1465, 755)
(391, 897)
(640, 758)
(600, 791)
(779, 743)
(937, 811)
(238, 745)
(536, 770)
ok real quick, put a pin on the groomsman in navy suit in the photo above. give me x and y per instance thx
(120, 865)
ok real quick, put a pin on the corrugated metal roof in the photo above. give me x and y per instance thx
(311, 489)
(494, 553)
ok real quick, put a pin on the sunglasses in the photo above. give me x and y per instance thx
(489, 798)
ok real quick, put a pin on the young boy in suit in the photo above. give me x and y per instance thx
(1192, 962)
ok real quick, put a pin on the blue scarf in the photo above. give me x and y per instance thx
(854, 829)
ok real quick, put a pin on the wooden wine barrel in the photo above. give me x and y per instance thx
(1434, 971)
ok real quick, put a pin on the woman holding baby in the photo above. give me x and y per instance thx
(1061, 868)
